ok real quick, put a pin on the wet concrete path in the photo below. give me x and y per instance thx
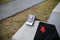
(13, 7)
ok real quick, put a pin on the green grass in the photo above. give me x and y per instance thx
(10, 25)
(4, 1)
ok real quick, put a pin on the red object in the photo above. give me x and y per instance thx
(42, 29)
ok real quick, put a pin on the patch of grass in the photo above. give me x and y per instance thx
(4, 1)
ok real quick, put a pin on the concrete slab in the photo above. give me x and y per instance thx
(55, 18)
(15, 6)
(26, 32)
